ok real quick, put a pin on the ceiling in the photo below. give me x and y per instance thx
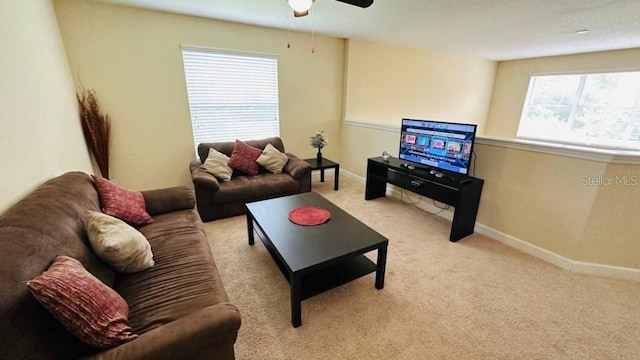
(489, 29)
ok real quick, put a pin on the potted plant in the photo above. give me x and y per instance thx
(318, 141)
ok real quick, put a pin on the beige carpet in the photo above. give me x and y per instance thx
(474, 299)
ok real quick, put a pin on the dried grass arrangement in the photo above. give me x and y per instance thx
(96, 128)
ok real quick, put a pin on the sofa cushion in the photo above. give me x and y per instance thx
(122, 203)
(86, 307)
(183, 280)
(243, 158)
(117, 243)
(272, 159)
(160, 201)
(243, 189)
(217, 164)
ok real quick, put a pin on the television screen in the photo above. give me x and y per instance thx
(440, 145)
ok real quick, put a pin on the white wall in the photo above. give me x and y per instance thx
(40, 131)
(386, 83)
(535, 197)
(132, 58)
(541, 198)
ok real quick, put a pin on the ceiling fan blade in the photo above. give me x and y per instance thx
(360, 3)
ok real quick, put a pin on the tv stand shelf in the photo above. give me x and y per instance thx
(460, 191)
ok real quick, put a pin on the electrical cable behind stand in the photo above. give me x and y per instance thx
(416, 202)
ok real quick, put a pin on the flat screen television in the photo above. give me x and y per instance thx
(439, 145)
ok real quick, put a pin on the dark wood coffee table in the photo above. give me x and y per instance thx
(315, 259)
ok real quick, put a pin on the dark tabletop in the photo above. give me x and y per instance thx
(305, 247)
(324, 163)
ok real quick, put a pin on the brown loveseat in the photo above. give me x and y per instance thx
(219, 199)
(178, 307)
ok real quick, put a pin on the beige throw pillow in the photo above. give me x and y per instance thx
(272, 159)
(217, 164)
(118, 244)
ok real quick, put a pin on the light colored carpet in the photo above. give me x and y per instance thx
(474, 299)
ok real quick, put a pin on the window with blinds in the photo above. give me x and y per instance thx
(600, 110)
(232, 95)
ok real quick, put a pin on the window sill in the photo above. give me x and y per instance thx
(580, 152)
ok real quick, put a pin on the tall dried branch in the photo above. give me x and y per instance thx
(96, 128)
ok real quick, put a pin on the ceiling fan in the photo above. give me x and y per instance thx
(301, 7)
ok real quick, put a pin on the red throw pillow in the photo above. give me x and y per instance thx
(125, 204)
(86, 307)
(243, 158)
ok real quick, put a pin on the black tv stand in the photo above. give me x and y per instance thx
(460, 191)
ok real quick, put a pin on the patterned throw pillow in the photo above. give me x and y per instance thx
(118, 244)
(217, 164)
(272, 159)
(86, 307)
(243, 158)
(125, 204)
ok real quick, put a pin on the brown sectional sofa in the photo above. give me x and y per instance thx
(219, 199)
(178, 307)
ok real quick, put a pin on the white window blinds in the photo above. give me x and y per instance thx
(601, 110)
(232, 95)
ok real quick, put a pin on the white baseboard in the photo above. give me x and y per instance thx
(353, 176)
(524, 246)
(559, 260)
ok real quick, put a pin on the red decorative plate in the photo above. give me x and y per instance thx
(309, 215)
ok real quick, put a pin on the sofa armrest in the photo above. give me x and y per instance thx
(166, 200)
(206, 334)
(297, 167)
(202, 178)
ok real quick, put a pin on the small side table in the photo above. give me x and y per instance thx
(323, 164)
